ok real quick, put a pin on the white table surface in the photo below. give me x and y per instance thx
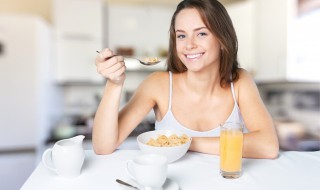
(195, 171)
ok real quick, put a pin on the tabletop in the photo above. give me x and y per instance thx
(291, 170)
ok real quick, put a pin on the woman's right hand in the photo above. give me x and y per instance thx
(111, 66)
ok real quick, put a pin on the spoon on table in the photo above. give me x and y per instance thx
(126, 184)
(148, 61)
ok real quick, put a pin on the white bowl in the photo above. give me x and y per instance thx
(173, 153)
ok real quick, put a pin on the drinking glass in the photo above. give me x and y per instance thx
(231, 144)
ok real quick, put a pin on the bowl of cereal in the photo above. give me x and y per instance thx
(172, 144)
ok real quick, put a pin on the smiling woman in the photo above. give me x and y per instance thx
(195, 42)
(221, 39)
(203, 88)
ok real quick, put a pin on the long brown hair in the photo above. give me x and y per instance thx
(218, 21)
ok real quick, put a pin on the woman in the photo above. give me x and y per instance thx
(203, 88)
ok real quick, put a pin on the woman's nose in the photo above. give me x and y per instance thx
(191, 43)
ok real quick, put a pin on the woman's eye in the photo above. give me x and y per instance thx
(202, 34)
(180, 36)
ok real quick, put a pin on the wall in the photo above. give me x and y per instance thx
(41, 8)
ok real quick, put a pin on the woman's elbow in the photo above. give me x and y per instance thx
(272, 151)
(273, 154)
(271, 145)
(103, 150)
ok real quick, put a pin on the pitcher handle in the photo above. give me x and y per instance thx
(129, 169)
(44, 158)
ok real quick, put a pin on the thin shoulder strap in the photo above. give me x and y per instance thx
(170, 89)
(233, 94)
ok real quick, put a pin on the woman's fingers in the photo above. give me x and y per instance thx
(111, 66)
(115, 76)
(104, 55)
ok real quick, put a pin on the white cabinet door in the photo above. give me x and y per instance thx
(78, 17)
(242, 16)
(78, 26)
(75, 60)
(272, 24)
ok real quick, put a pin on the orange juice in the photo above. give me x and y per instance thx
(231, 142)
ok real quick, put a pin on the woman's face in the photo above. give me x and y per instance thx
(196, 46)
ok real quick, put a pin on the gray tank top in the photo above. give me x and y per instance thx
(169, 122)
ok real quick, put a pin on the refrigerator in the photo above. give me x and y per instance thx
(29, 98)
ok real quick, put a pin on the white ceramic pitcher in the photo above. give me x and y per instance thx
(67, 157)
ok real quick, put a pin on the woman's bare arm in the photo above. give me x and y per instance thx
(112, 127)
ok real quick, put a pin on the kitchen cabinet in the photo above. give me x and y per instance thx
(78, 33)
(143, 28)
(286, 47)
(78, 17)
(242, 16)
(76, 61)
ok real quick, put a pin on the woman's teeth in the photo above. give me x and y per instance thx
(193, 56)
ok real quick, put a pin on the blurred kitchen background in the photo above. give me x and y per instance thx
(50, 89)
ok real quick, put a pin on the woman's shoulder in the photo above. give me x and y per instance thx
(155, 87)
(156, 81)
(157, 77)
(244, 79)
(245, 85)
(158, 74)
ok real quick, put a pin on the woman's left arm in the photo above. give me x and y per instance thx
(261, 141)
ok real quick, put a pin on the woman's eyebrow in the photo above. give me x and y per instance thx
(196, 29)
(200, 28)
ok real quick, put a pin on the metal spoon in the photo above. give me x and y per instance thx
(126, 184)
(148, 63)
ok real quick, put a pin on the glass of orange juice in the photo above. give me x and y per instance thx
(231, 143)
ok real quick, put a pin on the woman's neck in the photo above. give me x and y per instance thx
(202, 83)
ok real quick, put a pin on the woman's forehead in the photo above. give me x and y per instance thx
(187, 18)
